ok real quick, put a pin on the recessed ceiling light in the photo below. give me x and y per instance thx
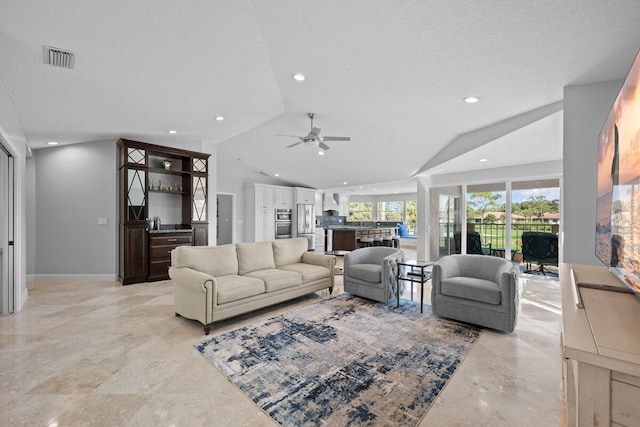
(219, 118)
(345, 183)
(299, 77)
(320, 153)
(52, 143)
(171, 131)
(471, 99)
(361, 186)
(277, 174)
(483, 160)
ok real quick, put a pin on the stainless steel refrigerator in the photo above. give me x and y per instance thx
(306, 224)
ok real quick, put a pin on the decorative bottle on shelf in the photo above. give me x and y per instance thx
(157, 221)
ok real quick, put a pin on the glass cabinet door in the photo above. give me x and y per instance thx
(199, 212)
(136, 195)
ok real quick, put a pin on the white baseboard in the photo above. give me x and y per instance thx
(75, 278)
(31, 278)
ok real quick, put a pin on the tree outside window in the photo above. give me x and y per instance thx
(360, 211)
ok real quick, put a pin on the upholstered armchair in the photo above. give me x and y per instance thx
(371, 272)
(477, 289)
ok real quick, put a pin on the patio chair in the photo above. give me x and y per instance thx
(540, 248)
(474, 243)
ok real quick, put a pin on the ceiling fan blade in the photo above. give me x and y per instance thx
(323, 145)
(315, 132)
(292, 136)
(293, 145)
(336, 138)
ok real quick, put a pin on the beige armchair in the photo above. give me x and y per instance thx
(371, 272)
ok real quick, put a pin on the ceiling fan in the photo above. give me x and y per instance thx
(314, 138)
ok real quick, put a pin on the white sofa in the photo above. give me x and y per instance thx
(212, 283)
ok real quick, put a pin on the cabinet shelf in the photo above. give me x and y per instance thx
(167, 192)
(169, 171)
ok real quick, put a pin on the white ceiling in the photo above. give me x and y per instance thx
(391, 75)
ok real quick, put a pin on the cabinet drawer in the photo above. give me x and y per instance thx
(170, 239)
(159, 269)
(163, 252)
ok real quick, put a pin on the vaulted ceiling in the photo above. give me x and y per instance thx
(389, 74)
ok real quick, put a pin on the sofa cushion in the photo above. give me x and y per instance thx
(309, 272)
(289, 251)
(367, 272)
(233, 288)
(214, 260)
(276, 279)
(254, 256)
(472, 289)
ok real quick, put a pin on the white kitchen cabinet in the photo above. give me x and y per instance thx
(284, 198)
(265, 225)
(305, 196)
(264, 196)
(259, 213)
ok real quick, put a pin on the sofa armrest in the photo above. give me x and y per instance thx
(195, 294)
(322, 260)
(191, 279)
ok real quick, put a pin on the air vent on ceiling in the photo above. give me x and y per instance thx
(59, 57)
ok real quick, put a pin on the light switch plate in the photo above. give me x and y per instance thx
(102, 221)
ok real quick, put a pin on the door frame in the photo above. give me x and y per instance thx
(12, 304)
(233, 215)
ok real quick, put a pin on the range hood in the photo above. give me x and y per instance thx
(330, 202)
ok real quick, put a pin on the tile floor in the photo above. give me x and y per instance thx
(99, 354)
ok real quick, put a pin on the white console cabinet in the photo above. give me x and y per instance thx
(601, 349)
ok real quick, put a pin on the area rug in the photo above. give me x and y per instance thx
(344, 361)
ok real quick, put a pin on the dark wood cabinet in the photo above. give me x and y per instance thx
(344, 240)
(133, 255)
(160, 247)
(164, 182)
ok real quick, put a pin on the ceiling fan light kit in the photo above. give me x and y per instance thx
(313, 139)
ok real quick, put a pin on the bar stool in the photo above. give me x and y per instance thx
(396, 241)
(366, 241)
(387, 241)
(377, 241)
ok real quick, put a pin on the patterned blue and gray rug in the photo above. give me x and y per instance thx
(344, 361)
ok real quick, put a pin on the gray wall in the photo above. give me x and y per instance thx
(69, 188)
(585, 110)
(233, 175)
(30, 201)
(74, 186)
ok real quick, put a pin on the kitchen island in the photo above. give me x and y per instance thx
(347, 238)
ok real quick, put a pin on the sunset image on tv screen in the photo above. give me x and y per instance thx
(618, 184)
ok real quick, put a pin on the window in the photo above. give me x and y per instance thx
(360, 211)
(391, 211)
(399, 211)
(411, 215)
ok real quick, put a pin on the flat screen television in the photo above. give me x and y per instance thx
(618, 184)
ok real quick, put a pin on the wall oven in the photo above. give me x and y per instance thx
(283, 223)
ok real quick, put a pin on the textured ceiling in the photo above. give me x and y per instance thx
(389, 74)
